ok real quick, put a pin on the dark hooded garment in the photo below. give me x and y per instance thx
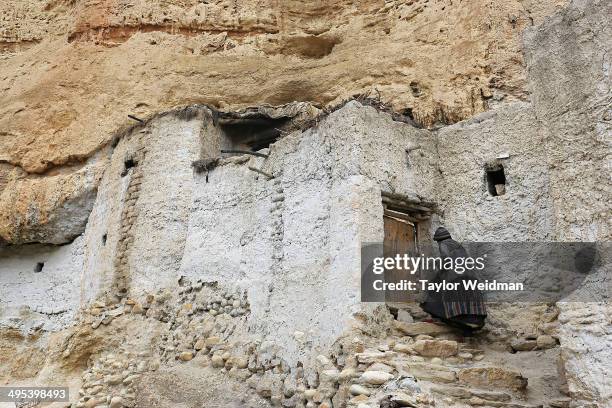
(463, 308)
(441, 234)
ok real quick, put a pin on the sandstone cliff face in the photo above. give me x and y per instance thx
(73, 69)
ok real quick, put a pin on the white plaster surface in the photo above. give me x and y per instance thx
(293, 242)
(48, 299)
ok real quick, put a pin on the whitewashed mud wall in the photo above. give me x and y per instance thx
(48, 299)
(143, 214)
(293, 242)
(137, 224)
(524, 212)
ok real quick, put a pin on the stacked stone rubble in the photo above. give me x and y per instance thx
(416, 364)
(129, 214)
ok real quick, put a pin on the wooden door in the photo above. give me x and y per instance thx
(400, 238)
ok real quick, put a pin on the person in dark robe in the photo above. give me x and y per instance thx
(460, 308)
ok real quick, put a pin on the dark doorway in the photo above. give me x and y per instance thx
(496, 179)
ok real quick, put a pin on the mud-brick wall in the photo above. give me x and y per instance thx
(293, 241)
(134, 237)
(136, 232)
(509, 136)
(39, 285)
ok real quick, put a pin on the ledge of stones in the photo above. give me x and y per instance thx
(416, 365)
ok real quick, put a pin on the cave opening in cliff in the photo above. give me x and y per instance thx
(251, 133)
(496, 179)
(39, 267)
